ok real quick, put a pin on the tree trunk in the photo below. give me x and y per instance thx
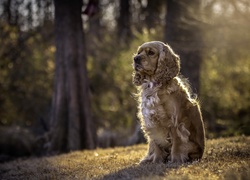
(184, 36)
(123, 22)
(71, 121)
(153, 11)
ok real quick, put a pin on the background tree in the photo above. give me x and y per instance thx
(183, 33)
(123, 21)
(71, 119)
(153, 12)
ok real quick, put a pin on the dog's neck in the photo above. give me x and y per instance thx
(153, 86)
(150, 84)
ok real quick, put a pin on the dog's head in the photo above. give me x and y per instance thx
(155, 61)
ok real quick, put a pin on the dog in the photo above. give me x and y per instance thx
(170, 117)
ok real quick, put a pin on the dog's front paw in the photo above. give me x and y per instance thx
(147, 159)
(180, 158)
(152, 159)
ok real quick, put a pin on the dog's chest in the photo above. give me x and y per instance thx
(151, 107)
(155, 115)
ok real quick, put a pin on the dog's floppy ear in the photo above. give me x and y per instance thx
(168, 64)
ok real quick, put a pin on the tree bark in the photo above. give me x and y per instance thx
(71, 121)
(123, 22)
(153, 11)
(183, 34)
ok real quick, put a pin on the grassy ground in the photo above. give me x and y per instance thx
(227, 158)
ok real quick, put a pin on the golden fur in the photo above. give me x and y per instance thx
(170, 118)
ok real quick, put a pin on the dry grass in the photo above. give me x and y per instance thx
(227, 158)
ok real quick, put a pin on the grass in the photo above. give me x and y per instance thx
(224, 158)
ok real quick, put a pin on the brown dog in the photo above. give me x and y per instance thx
(170, 118)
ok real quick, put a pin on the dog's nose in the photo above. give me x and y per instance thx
(137, 59)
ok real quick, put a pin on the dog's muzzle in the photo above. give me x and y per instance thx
(137, 63)
(137, 60)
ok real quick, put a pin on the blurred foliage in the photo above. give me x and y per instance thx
(110, 73)
(225, 74)
(27, 67)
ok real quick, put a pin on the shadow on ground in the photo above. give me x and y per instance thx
(140, 171)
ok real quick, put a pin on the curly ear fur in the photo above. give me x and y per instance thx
(168, 64)
(137, 78)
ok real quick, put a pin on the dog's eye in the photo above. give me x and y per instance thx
(151, 53)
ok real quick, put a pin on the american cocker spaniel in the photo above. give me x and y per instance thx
(170, 118)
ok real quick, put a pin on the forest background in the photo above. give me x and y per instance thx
(212, 38)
